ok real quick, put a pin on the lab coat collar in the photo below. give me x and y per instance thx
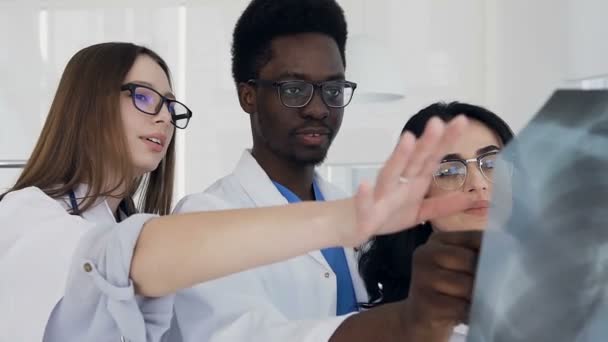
(99, 212)
(263, 193)
(257, 184)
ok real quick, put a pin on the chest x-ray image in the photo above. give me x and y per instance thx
(543, 268)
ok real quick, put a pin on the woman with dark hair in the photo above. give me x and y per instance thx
(390, 265)
(79, 261)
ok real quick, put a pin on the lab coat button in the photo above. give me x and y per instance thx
(326, 274)
(87, 267)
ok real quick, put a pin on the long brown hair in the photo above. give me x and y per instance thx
(83, 136)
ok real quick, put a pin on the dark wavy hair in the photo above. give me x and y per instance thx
(264, 20)
(386, 265)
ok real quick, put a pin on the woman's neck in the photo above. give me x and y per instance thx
(115, 197)
(113, 203)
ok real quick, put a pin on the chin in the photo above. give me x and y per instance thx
(461, 221)
(478, 223)
(147, 166)
(310, 157)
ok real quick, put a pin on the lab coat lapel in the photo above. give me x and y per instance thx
(99, 212)
(259, 188)
(352, 256)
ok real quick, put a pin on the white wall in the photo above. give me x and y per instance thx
(439, 46)
(587, 34)
(534, 47)
(507, 55)
(220, 130)
(526, 60)
(21, 87)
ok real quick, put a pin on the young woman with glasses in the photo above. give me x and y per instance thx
(80, 261)
(431, 270)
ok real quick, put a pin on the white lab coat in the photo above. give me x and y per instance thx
(45, 288)
(293, 300)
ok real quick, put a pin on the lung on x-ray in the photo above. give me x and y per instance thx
(543, 268)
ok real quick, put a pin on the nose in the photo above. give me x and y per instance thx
(164, 116)
(315, 109)
(475, 180)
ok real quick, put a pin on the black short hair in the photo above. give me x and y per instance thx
(264, 20)
(448, 111)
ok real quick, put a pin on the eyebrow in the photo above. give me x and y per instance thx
(300, 76)
(481, 151)
(487, 149)
(168, 94)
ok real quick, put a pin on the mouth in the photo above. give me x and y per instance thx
(312, 139)
(156, 142)
(479, 208)
(312, 136)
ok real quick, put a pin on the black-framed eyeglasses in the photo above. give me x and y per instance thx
(298, 93)
(452, 173)
(150, 101)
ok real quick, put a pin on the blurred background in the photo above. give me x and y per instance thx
(507, 55)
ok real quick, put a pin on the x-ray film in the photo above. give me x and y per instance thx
(543, 268)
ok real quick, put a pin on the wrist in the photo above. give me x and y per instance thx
(340, 223)
(418, 328)
(335, 221)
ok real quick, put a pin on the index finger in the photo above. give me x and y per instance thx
(453, 131)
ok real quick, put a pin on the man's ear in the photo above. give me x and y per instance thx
(247, 97)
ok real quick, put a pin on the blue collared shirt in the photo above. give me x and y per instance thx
(347, 301)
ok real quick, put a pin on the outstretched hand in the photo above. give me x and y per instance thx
(397, 201)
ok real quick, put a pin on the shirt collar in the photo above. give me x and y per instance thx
(293, 198)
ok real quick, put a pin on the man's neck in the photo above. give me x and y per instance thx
(296, 177)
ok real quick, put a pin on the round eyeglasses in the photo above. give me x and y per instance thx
(149, 101)
(297, 93)
(452, 173)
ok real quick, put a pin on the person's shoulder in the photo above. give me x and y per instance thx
(201, 201)
(29, 198)
(223, 194)
(213, 198)
(32, 191)
(31, 213)
(222, 185)
(329, 190)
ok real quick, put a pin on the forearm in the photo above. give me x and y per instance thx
(179, 251)
(381, 324)
(388, 323)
